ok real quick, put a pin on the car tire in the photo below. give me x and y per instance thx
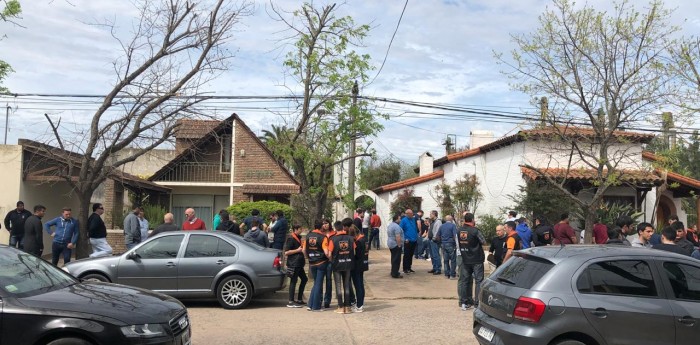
(234, 292)
(69, 341)
(94, 277)
(569, 342)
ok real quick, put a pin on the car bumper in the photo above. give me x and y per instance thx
(508, 333)
(270, 282)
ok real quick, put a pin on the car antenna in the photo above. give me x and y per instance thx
(560, 248)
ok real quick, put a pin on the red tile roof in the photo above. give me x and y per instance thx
(409, 182)
(629, 176)
(671, 176)
(540, 133)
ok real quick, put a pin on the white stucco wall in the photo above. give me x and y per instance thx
(548, 154)
(11, 176)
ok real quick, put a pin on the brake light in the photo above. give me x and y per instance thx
(276, 263)
(529, 309)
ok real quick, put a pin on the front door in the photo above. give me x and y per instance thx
(618, 296)
(205, 256)
(684, 280)
(155, 268)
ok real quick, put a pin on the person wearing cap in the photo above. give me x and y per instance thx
(14, 223)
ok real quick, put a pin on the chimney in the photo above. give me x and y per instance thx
(667, 128)
(425, 164)
(480, 138)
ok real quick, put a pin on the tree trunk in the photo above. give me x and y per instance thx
(83, 249)
(590, 214)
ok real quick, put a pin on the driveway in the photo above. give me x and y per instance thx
(420, 308)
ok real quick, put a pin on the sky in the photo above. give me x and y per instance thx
(443, 52)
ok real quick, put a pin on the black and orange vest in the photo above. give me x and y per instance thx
(343, 256)
(314, 248)
(361, 254)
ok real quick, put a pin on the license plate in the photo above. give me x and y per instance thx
(486, 333)
(185, 338)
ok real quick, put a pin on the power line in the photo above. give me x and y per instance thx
(389, 47)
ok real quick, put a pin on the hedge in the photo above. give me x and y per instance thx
(266, 208)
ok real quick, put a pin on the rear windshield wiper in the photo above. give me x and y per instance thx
(505, 280)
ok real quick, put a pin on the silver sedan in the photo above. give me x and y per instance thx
(191, 264)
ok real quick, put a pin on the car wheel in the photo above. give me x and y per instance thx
(70, 341)
(94, 277)
(234, 292)
(569, 342)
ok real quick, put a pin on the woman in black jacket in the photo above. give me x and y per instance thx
(544, 233)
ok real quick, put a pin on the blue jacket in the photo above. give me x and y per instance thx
(67, 230)
(448, 233)
(525, 234)
(410, 229)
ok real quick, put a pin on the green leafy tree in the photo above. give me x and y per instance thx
(9, 13)
(601, 70)
(538, 198)
(326, 69)
(376, 174)
(405, 200)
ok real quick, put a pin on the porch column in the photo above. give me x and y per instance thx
(697, 207)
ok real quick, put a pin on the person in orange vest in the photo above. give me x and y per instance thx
(358, 271)
(317, 251)
(295, 260)
(342, 256)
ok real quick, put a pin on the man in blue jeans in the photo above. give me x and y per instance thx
(434, 242)
(471, 250)
(317, 251)
(448, 235)
(65, 235)
(410, 232)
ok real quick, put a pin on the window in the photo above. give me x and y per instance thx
(618, 278)
(521, 272)
(208, 246)
(226, 154)
(161, 248)
(24, 275)
(685, 280)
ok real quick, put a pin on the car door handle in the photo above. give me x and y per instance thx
(170, 264)
(221, 262)
(687, 320)
(600, 312)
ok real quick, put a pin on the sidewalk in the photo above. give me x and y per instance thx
(380, 285)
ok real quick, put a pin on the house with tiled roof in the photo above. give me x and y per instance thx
(502, 165)
(219, 163)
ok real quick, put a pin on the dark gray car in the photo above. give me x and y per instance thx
(591, 295)
(191, 264)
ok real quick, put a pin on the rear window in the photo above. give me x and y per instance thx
(522, 272)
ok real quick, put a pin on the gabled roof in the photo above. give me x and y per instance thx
(409, 182)
(217, 130)
(538, 134)
(638, 177)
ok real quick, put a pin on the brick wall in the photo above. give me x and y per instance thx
(115, 238)
(258, 166)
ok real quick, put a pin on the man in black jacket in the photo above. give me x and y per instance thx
(97, 231)
(14, 223)
(34, 232)
(470, 241)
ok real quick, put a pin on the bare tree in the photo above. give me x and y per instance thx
(177, 47)
(603, 72)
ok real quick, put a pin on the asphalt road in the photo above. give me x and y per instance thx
(421, 308)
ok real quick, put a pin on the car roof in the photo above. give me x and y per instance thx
(586, 252)
(227, 235)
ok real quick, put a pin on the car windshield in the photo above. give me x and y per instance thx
(25, 275)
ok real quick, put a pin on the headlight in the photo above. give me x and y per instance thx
(148, 330)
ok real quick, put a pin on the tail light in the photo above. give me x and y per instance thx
(529, 309)
(277, 263)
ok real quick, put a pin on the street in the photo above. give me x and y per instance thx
(418, 308)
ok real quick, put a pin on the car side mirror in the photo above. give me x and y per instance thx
(133, 256)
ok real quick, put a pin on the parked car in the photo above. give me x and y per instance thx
(191, 264)
(591, 295)
(40, 304)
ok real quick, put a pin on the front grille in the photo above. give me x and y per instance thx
(179, 323)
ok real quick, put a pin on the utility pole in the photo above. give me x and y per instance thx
(544, 106)
(353, 148)
(7, 120)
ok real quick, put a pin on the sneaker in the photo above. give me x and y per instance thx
(431, 271)
(291, 304)
(358, 309)
(437, 273)
(326, 306)
(308, 308)
(300, 302)
(467, 306)
(397, 277)
(453, 278)
(316, 310)
(340, 310)
(347, 310)
(411, 271)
